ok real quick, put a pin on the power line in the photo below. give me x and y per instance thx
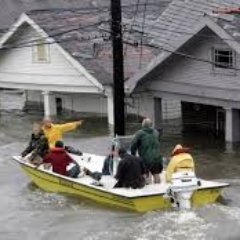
(178, 32)
(85, 10)
(192, 57)
(22, 44)
(107, 7)
(85, 38)
(133, 22)
(147, 34)
(141, 41)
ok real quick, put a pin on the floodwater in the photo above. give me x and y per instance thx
(26, 212)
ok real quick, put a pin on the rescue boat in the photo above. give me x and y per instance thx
(185, 191)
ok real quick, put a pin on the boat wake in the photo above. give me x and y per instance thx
(173, 226)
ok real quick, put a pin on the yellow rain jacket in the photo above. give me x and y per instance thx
(55, 133)
(179, 162)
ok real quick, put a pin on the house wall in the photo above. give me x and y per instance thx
(189, 80)
(18, 69)
(195, 80)
(86, 103)
(11, 100)
(143, 105)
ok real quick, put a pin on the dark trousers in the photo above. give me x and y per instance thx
(72, 150)
(74, 171)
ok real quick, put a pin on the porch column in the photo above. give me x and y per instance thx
(110, 105)
(49, 104)
(232, 128)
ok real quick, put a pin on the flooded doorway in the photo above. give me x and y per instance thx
(203, 118)
(59, 105)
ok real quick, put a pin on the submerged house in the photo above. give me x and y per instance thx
(62, 59)
(198, 66)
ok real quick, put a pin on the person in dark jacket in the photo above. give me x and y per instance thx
(130, 171)
(108, 163)
(146, 143)
(60, 159)
(37, 147)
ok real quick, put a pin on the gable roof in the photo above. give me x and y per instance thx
(42, 34)
(94, 55)
(181, 21)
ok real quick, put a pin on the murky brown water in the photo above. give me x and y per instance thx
(29, 213)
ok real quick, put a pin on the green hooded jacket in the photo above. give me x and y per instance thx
(146, 142)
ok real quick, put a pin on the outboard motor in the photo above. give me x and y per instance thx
(181, 189)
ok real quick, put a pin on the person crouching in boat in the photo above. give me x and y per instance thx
(59, 159)
(37, 147)
(54, 132)
(181, 160)
(130, 171)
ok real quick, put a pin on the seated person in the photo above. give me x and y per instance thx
(60, 159)
(181, 160)
(108, 163)
(130, 171)
(37, 147)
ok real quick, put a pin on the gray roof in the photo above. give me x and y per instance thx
(96, 54)
(231, 26)
(177, 24)
(11, 9)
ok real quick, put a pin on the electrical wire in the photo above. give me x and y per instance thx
(133, 22)
(85, 38)
(141, 41)
(23, 44)
(178, 53)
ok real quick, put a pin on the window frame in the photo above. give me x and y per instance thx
(35, 51)
(229, 69)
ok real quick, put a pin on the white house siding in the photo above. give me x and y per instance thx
(11, 100)
(17, 66)
(143, 105)
(171, 109)
(84, 103)
(97, 104)
(188, 79)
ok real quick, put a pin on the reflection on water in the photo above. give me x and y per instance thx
(30, 213)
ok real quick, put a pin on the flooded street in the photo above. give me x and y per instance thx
(29, 213)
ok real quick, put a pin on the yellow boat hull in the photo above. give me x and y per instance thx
(52, 183)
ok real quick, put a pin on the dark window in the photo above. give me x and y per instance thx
(223, 58)
(59, 105)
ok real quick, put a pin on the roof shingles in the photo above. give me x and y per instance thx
(94, 54)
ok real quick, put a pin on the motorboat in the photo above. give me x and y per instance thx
(184, 192)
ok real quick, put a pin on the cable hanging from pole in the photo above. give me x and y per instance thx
(142, 35)
(133, 23)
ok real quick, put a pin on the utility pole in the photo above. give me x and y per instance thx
(118, 68)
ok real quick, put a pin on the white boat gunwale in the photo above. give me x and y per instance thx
(101, 189)
(73, 180)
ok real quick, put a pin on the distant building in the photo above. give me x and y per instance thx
(198, 67)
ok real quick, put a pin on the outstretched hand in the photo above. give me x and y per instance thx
(79, 123)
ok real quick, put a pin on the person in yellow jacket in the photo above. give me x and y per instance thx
(181, 160)
(54, 132)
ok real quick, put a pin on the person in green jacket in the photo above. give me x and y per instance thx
(146, 143)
